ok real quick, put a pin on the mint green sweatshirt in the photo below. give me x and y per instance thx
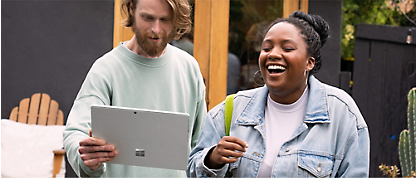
(172, 82)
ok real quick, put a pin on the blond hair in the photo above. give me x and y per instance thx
(181, 15)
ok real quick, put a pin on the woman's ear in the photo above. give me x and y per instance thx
(311, 64)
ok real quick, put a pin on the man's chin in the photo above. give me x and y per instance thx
(151, 47)
(154, 52)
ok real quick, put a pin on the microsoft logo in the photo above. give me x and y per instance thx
(140, 152)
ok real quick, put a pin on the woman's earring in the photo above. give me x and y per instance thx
(258, 79)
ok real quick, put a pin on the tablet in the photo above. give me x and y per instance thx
(142, 137)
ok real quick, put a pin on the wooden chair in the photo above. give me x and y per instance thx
(41, 110)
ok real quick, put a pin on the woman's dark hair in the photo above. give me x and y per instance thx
(314, 29)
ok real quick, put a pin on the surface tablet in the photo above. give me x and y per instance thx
(143, 137)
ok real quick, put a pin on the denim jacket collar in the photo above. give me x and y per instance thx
(317, 107)
(253, 114)
(316, 112)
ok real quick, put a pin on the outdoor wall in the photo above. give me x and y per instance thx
(49, 46)
(384, 72)
(331, 11)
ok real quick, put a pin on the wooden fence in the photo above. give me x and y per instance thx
(384, 72)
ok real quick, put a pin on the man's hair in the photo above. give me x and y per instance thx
(181, 15)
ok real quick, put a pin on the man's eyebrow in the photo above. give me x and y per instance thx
(145, 14)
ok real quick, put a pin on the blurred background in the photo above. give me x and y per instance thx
(48, 47)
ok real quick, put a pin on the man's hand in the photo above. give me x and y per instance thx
(95, 151)
(228, 150)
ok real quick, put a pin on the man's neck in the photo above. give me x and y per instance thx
(134, 46)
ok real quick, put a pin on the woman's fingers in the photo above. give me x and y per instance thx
(236, 140)
(233, 143)
(228, 150)
(229, 153)
(228, 160)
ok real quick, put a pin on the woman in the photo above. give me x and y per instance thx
(294, 126)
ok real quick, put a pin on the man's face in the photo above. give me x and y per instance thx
(153, 25)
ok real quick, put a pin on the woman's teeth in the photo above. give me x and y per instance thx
(276, 68)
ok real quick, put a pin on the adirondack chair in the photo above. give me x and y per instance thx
(41, 110)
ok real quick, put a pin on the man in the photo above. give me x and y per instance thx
(233, 73)
(186, 43)
(145, 72)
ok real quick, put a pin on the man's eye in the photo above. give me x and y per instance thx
(164, 20)
(147, 18)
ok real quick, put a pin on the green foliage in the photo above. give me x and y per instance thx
(407, 143)
(407, 138)
(274, 11)
(235, 36)
(243, 14)
(364, 11)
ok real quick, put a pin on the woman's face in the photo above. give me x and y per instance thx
(285, 63)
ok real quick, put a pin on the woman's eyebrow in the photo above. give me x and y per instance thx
(267, 41)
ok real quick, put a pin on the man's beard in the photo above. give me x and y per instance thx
(152, 48)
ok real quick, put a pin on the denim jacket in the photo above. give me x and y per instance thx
(332, 141)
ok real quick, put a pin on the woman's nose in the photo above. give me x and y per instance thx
(275, 54)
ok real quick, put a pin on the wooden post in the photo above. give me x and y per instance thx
(57, 161)
(121, 33)
(202, 36)
(211, 46)
(289, 6)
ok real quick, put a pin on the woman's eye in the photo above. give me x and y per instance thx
(288, 49)
(267, 49)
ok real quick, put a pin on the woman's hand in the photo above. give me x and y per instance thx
(95, 151)
(228, 150)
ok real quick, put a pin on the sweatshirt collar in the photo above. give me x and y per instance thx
(148, 62)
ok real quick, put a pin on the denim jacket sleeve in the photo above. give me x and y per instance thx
(211, 134)
(355, 148)
(356, 162)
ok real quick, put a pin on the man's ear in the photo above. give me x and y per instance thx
(131, 8)
(311, 64)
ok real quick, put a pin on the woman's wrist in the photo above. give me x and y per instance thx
(208, 161)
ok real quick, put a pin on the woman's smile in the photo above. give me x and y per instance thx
(283, 62)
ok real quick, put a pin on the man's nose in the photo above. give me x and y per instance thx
(156, 28)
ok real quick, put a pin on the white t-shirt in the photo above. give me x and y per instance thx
(281, 121)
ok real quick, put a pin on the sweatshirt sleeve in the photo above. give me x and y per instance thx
(94, 91)
(199, 120)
